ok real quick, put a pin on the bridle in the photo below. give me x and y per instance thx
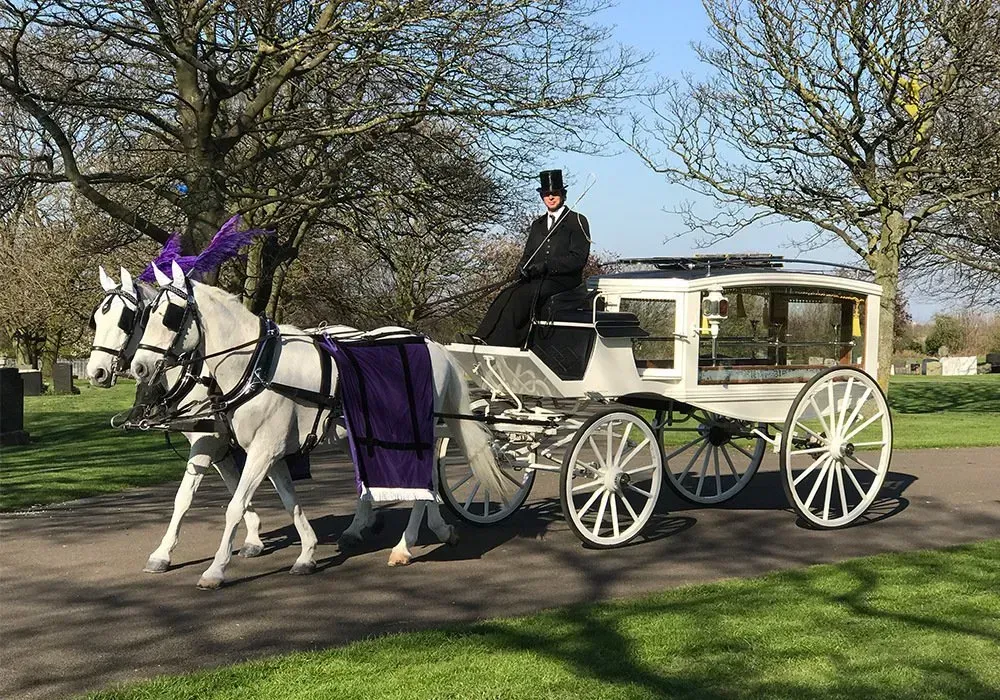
(131, 320)
(175, 318)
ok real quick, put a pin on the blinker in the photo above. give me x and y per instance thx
(173, 317)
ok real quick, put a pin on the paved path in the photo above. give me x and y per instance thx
(77, 613)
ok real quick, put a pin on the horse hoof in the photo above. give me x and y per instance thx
(399, 559)
(209, 584)
(249, 551)
(349, 541)
(378, 525)
(156, 566)
(452, 537)
(303, 568)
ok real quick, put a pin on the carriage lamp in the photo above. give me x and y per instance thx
(714, 308)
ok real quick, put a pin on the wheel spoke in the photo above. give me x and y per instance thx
(590, 502)
(862, 426)
(729, 461)
(633, 453)
(472, 496)
(800, 477)
(691, 463)
(864, 464)
(843, 495)
(511, 479)
(681, 449)
(854, 480)
(815, 488)
(583, 488)
(847, 402)
(701, 474)
(614, 515)
(633, 487)
(718, 472)
(611, 443)
(600, 513)
(740, 448)
(798, 424)
(829, 489)
(630, 509)
(819, 415)
(597, 453)
(624, 442)
(857, 409)
(809, 451)
(486, 502)
(639, 470)
(467, 477)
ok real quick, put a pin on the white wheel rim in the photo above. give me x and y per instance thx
(838, 447)
(615, 471)
(466, 494)
(716, 462)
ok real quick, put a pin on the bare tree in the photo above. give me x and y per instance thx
(831, 112)
(172, 115)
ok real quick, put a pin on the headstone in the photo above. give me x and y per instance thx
(993, 359)
(12, 407)
(958, 366)
(32, 379)
(930, 367)
(62, 379)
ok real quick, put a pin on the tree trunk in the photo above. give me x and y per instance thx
(885, 264)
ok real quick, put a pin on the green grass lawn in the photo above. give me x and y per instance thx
(918, 626)
(945, 411)
(74, 451)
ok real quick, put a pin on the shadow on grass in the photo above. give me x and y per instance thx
(959, 394)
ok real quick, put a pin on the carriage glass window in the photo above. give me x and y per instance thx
(657, 316)
(781, 334)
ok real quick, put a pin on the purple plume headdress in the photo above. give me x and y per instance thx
(225, 245)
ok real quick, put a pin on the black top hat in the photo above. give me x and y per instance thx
(551, 181)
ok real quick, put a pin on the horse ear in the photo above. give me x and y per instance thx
(178, 274)
(161, 278)
(127, 283)
(106, 282)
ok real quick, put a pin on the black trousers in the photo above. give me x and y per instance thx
(508, 320)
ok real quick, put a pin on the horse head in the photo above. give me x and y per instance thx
(171, 328)
(114, 323)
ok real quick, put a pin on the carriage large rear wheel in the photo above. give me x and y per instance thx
(836, 447)
(610, 478)
(716, 458)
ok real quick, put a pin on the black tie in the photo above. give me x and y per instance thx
(552, 221)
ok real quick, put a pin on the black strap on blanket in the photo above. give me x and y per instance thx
(411, 400)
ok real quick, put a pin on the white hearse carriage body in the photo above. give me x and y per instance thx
(694, 365)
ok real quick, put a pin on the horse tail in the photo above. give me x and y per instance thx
(474, 438)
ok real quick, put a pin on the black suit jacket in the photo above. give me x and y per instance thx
(564, 254)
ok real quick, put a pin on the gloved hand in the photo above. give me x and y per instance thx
(536, 270)
(522, 274)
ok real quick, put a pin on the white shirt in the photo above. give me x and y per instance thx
(553, 216)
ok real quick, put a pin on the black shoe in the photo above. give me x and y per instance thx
(469, 339)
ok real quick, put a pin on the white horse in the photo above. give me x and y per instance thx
(117, 330)
(190, 317)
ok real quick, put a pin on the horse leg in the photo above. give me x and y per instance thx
(257, 465)
(400, 554)
(199, 458)
(364, 516)
(282, 480)
(443, 531)
(252, 545)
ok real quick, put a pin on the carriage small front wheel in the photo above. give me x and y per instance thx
(836, 447)
(610, 478)
(467, 498)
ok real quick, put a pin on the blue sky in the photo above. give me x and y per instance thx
(626, 204)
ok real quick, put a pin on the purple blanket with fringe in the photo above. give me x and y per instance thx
(387, 389)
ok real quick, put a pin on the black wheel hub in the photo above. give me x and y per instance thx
(622, 480)
(718, 435)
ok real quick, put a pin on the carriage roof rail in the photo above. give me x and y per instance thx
(730, 261)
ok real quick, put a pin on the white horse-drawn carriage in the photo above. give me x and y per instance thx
(688, 369)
